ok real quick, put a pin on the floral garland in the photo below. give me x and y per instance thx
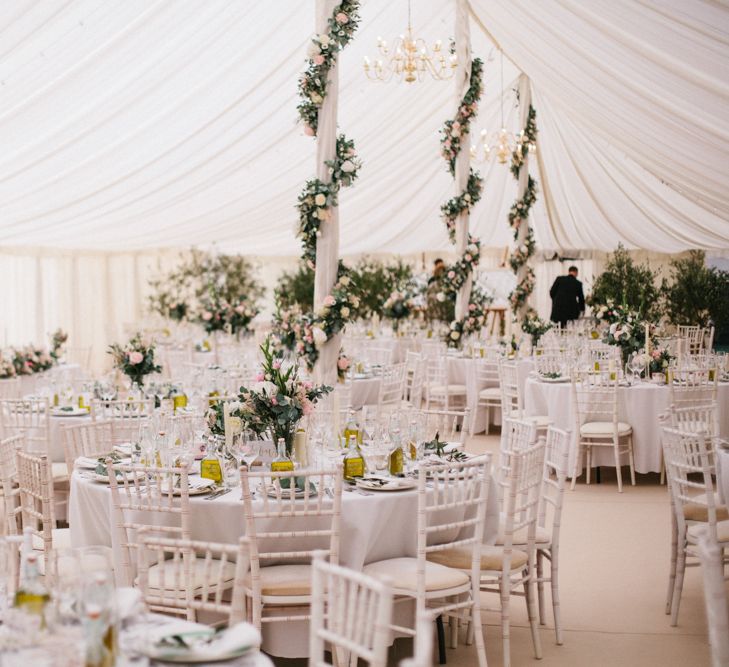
(456, 275)
(311, 331)
(318, 197)
(519, 214)
(321, 56)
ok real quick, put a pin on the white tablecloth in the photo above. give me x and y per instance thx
(374, 527)
(365, 391)
(639, 406)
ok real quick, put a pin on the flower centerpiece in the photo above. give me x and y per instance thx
(343, 365)
(626, 330)
(135, 359)
(58, 340)
(535, 326)
(218, 314)
(398, 307)
(278, 400)
(660, 359)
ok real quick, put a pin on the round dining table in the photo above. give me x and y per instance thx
(639, 405)
(374, 526)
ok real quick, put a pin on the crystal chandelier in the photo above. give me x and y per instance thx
(502, 143)
(409, 59)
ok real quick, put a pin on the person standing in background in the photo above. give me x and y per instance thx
(568, 300)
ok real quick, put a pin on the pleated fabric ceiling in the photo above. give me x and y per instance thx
(132, 124)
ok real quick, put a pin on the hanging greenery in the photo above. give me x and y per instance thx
(518, 216)
(456, 275)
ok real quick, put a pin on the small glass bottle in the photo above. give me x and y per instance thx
(99, 622)
(352, 429)
(353, 461)
(395, 458)
(32, 595)
(211, 466)
(282, 462)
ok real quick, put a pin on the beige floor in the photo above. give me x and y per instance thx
(614, 572)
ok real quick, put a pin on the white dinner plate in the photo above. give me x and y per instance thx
(561, 378)
(383, 483)
(73, 412)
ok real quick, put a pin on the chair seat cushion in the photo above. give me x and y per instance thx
(604, 429)
(450, 389)
(722, 532)
(163, 574)
(61, 539)
(402, 572)
(541, 421)
(490, 394)
(699, 512)
(492, 558)
(283, 580)
(542, 536)
(59, 470)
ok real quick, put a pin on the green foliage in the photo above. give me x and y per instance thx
(629, 284)
(374, 281)
(296, 288)
(696, 294)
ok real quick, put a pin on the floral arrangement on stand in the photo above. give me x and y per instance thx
(58, 340)
(535, 327)
(660, 359)
(217, 314)
(456, 275)
(313, 330)
(627, 330)
(278, 400)
(399, 306)
(135, 360)
(519, 215)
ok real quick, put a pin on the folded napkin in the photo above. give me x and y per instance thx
(183, 639)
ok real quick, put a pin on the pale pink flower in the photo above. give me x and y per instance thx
(259, 377)
(273, 400)
(308, 130)
(276, 365)
(318, 60)
(451, 274)
(307, 407)
(135, 358)
(207, 316)
(342, 18)
(329, 300)
(343, 363)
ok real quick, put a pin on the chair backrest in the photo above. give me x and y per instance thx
(551, 361)
(392, 385)
(194, 576)
(692, 338)
(10, 388)
(147, 497)
(91, 439)
(414, 379)
(278, 525)
(516, 435)
(451, 513)
(689, 469)
(433, 348)
(693, 387)
(29, 416)
(487, 373)
(556, 458)
(695, 418)
(595, 397)
(127, 416)
(521, 490)
(450, 425)
(511, 400)
(9, 480)
(35, 490)
(377, 355)
(715, 595)
(351, 613)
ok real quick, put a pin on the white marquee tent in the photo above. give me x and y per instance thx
(128, 126)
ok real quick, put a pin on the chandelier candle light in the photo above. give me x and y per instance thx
(409, 59)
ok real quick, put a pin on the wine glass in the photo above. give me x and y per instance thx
(636, 365)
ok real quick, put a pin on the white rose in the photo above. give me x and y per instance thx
(316, 98)
(455, 335)
(355, 301)
(313, 50)
(265, 386)
(345, 312)
(344, 281)
(319, 336)
(440, 297)
(348, 166)
(324, 40)
(320, 199)
(234, 405)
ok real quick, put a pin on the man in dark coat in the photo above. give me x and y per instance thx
(568, 300)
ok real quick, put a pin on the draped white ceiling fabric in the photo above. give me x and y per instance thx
(135, 124)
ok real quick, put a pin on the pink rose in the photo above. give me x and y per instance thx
(342, 18)
(308, 130)
(135, 358)
(343, 363)
(307, 407)
(276, 365)
(467, 257)
(207, 316)
(451, 274)
(308, 384)
(273, 400)
(318, 60)
(329, 300)
(259, 377)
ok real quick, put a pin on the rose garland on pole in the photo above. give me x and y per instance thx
(519, 215)
(456, 275)
(312, 330)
